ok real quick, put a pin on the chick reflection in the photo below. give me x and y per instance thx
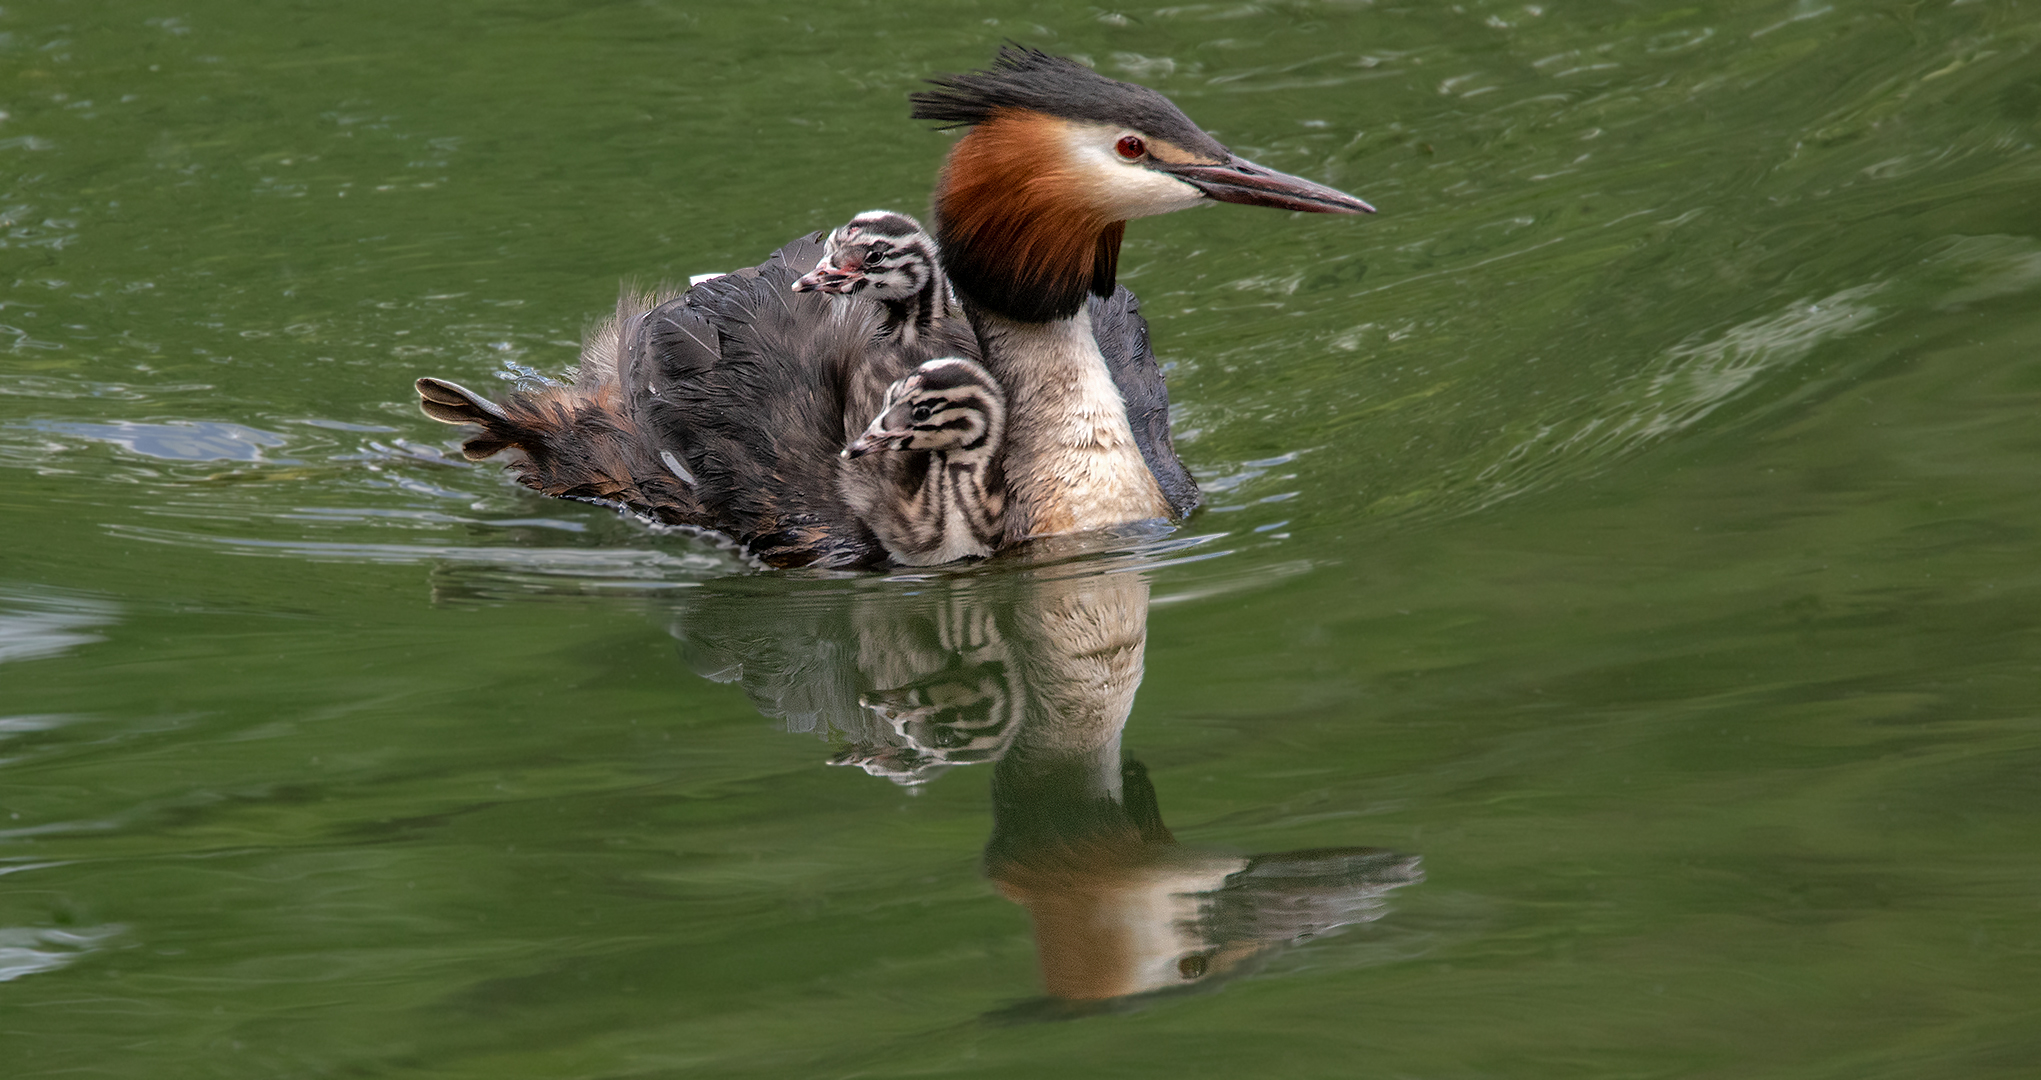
(1036, 672)
(911, 683)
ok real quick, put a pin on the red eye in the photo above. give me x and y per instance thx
(1130, 147)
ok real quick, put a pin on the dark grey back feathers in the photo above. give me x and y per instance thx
(751, 390)
(757, 388)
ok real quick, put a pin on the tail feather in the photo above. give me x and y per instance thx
(573, 441)
(452, 403)
(722, 407)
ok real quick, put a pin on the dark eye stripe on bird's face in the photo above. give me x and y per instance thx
(930, 415)
(957, 417)
(947, 405)
(941, 413)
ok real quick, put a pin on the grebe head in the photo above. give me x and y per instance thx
(948, 404)
(1033, 201)
(885, 254)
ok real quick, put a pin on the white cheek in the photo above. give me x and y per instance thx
(1121, 188)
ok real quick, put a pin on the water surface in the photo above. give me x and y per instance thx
(1608, 647)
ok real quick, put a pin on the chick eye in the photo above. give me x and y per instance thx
(920, 412)
(1131, 147)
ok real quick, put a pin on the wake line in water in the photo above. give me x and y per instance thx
(1678, 390)
(640, 566)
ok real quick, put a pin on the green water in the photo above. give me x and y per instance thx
(1630, 533)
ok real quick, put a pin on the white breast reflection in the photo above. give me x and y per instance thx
(1034, 672)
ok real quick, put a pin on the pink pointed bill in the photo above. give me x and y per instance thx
(1238, 180)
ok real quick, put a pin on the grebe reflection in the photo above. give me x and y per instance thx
(1034, 672)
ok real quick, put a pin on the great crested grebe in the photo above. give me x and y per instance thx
(725, 408)
(948, 500)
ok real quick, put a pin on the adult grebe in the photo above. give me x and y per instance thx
(725, 408)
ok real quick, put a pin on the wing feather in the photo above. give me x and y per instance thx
(1122, 336)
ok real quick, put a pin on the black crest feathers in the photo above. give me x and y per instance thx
(1022, 77)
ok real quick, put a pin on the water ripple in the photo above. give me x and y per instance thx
(28, 950)
(178, 440)
(636, 567)
(38, 625)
